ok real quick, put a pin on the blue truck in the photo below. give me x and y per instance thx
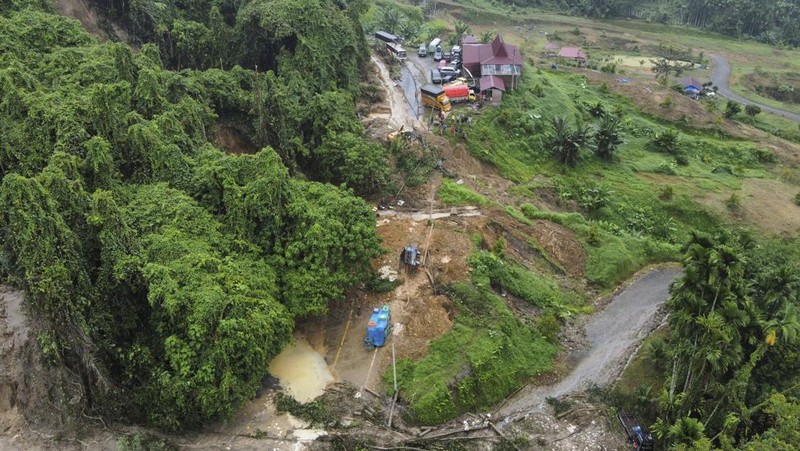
(378, 327)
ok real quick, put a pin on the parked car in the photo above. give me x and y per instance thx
(456, 50)
(455, 63)
(437, 56)
(448, 74)
(450, 70)
(423, 51)
(447, 55)
(436, 77)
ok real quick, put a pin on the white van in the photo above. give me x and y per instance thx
(434, 45)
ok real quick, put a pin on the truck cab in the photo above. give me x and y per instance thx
(435, 97)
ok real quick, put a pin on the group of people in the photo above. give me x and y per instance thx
(455, 127)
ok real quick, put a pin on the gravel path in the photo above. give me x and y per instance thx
(720, 76)
(613, 334)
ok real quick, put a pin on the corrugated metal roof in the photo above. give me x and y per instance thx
(492, 82)
(498, 52)
(572, 52)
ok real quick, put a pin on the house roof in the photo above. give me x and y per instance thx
(572, 52)
(492, 82)
(498, 52)
(691, 81)
(470, 40)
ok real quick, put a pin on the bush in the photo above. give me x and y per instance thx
(667, 141)
(667, 102)
(752, 110)
(733, 203)
(797, 199)
(732, 108)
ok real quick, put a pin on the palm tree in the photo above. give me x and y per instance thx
(688, 434)
(461, 29)
(565, 141)
(607, 137)
(390, 19)
(487, 36)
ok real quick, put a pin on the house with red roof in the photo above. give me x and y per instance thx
(572, 53)
(470, 40)
(495, 64)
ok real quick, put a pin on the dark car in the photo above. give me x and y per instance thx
(436, 78)
(447, 55)
(437, 56)
(447, 76)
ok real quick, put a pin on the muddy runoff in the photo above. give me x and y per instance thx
(614, 335)
(301, 370)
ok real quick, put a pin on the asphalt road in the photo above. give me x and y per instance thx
(613, 333)
(720, 76)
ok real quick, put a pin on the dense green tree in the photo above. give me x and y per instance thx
(732, 108)
(327, 244)
(752, 110)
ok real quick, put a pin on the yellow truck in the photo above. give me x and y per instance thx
(435, 97)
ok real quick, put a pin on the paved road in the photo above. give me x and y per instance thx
(720, 76)
(613, 333)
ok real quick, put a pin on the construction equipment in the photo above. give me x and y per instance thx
(637, 434)
(378, 327)
(411, 256)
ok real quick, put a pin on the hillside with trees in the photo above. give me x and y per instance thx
(163, 271)
(776, 22)
(167, 273)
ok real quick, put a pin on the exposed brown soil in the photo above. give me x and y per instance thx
(765, 203)
(91, 20)
(233, 141)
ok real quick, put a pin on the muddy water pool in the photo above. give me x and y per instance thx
(302, 371)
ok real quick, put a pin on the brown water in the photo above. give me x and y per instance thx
(302, 371)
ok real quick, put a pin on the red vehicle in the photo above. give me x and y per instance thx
(459, 93)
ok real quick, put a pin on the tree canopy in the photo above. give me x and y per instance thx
(166, 272)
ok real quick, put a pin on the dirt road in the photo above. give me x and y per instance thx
(401, 114)
(720, 76)
(613, 334)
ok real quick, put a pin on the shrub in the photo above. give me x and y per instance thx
(667, 102)
(667, 193)
(733, 203)
(752, 110)
(667, 141)
(732, 108)
(797, 199)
